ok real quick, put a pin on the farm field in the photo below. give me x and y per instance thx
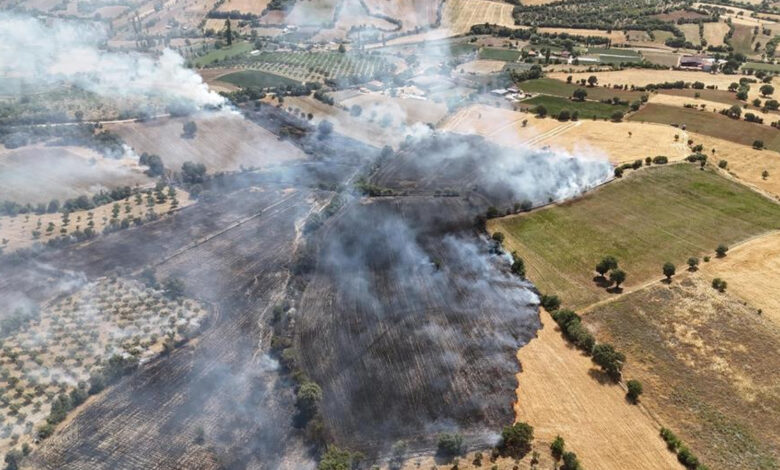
(643, 77)
(407, 110)
(223, 142)
(460, 15)
(482, 66)
(708, 365)
(715, 33)
(744, 162)
(318, 66)
(18, 230)
(560, 88)
(66, 342)
(742, 40)
(218, 55)
(709, 106)
(561, 392)
(691, 31)
(586, 109)
(620, 142)
(412, 13)
(39, 173)
(506, 55)
(502, 126)
(667, 59)
(775, 68)
(719, 96)
(620, 220)
(752, 270)
(254, 7)
(710, 123)
(256, 79)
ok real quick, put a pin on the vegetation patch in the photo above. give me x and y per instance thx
(711, 124)
(217, 55)
(507, 55)
(585, 109)
(550, 86)
(689, 213)
(257, 79)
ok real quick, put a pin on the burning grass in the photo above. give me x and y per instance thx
(689, 213)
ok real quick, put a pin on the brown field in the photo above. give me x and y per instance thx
(407, 110)
(752, 270)
(460, 15)
(641, 77)
(613, 141)
(617, 37)
(714, 33)
(708, 365)
(502, 126)
(223, 142)
(245, 6)
(412, 13)
(662, 58)
(691, 31)
(18, 230)
(744, 162)
(673, 16)
(561, 392)
(718, 96)
(672, 100)
(481, 67)
(39, 173)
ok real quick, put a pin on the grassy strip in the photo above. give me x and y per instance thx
(586, 109)
(257, 79)
(550, 86)
(506, 55)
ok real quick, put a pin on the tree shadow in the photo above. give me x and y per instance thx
(600, 376)
(602, 281)
(615, 290)
(666, 281)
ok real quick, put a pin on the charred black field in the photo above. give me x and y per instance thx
(391, 300)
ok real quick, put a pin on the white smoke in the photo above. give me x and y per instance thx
(34, 53)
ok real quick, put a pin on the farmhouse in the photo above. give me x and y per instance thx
(702, 63)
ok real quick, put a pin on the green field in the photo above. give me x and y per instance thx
(549, 86)
(506, 55)
(651, 216)
(710, 123)
(761, 66)
(586, 109)
(257, 79)
(239, 48)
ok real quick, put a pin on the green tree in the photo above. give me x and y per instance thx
(450, 444)
(540, 111)
(669, 269)
(618, 276)
(634, 390)
(593, 80)
(308, 398)
(610, 360)
(516, 439)
(557, 447)
(518, 266)
(693, 263)
(173, 287)
(767, 89)
(721, 250)
(580, 94)
(335, 458)
(228, 32)
(189, 129)
(571, 462)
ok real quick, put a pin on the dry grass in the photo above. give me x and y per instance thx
(617, 37)
(245, 6)
(481, 66)
(752, 270)
(460, 15)
(681, 101)
(714, 33)
(561, 392)
(691, 31)
(223, 142)
(708, 364)
(18, 230)
(502, 126)
(642, 77)
(406, 110)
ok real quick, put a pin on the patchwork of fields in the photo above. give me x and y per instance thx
(689, 213)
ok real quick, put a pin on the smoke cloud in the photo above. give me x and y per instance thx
(35, 54)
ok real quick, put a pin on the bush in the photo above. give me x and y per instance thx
(610, 360)
(672, 441)
(617, 116)
(557, 447)
(634, 390)
(518, 266)
(550, 303)
(335, 458)
(449, 444)
(516, 439)
(719, 284)
(686, 457)
(723, 164)
(693, 263)
(758, 144)
(660, 160)
(721, 250)
(570, 462)
(668, 269)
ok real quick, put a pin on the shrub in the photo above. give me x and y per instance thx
(723, 164)
(672, 441)
(307, 399)
(758, 144)
(335, 458)
(719, 284)
(557, 447)
(617, 116)
(668, 269)
(634, 390)
(570, 462)
(550, 303)
(693, 263)
(686, 457)
(721, 250)
(450, 444)
(610, 360)
(518, 266)
(516, 439)
(660, 160)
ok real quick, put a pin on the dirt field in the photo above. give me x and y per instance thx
(708, 365)
(619, 219)
(752, 270)
(39, 173)
(480, 67)
(617, 37)
(18, 230)
(245, 6)
(561, 392)
(714, 33)
(222, 142)
(460, 15)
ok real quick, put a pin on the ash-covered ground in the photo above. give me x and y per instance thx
(400, 309)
